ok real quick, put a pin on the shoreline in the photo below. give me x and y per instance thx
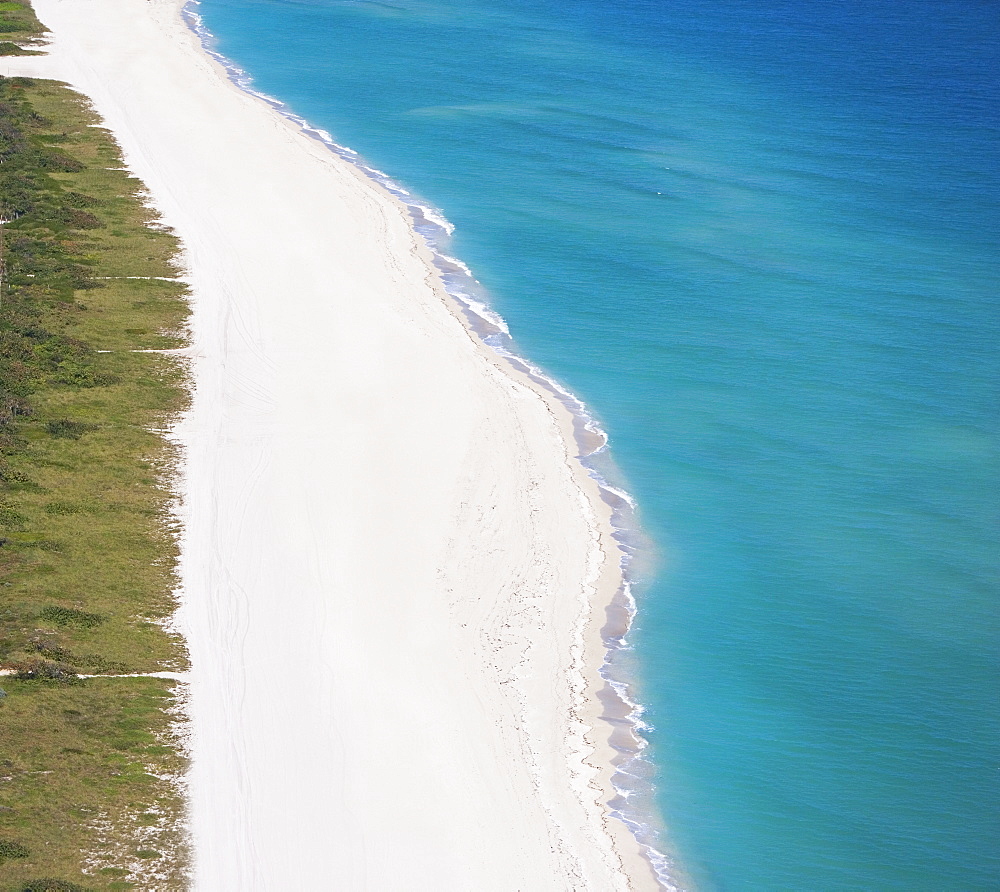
(619, 712)
(582, 745)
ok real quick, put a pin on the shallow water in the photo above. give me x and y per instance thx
(759, 240)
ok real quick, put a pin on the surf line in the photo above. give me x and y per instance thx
(632, 771)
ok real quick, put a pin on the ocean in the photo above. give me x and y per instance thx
(759, 240)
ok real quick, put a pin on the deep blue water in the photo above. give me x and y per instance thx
(759, 238)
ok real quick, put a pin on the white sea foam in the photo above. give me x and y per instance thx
(441, 221)
(459, 263)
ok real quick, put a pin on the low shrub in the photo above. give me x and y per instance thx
(50, 649)
(8, 48)
(67, 616)
(37, 669)
(100, 665)
(10, 849)
(67, 429)
(49, 885)
(11, 517)
(63, 508)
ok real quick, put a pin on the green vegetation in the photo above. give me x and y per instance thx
(19, 29)
(87, 796)
(50, 885)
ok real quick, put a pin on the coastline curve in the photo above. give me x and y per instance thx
(234, 359)
(632, 775)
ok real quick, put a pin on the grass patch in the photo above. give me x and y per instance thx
(86, 553)
(19, 28)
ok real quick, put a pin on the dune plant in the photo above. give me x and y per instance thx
(86, 550)
(20, 30)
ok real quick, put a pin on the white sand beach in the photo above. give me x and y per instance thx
(394, 571)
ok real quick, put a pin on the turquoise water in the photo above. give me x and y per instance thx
(759, 239)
